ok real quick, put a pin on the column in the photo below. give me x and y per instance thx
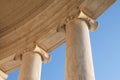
(3, 76)
(79, 65)
(32, 64)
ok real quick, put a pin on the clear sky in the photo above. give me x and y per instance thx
(105, 43)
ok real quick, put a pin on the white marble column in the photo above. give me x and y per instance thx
(31, 67)
(3, 76)
(79, 64)
(32, 64)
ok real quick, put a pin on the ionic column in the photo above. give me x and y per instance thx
(3, 76)
(32, 64)
(79, 64)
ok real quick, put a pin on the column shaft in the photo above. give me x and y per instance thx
(79, 65)
(31, 67)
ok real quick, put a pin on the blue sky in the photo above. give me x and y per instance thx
(105, 43)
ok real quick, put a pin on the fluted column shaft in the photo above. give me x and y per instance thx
(79, 65)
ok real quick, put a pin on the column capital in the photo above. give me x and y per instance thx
(92, 24)
(3, 75)
(44, 55)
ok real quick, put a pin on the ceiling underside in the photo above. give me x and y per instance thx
(23, 23)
